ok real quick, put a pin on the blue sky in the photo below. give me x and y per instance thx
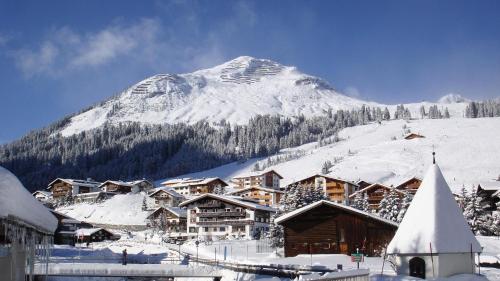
(58, 57)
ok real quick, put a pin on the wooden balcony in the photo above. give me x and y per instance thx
(220, 214)
(220, 223)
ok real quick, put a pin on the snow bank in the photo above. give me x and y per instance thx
(17, 202)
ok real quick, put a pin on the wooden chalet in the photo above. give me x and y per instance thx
(194, 186)
(337, 190)
(488, 192)
(42, 196)
(210, 215)
(411, 136)
(265, 179)
(66, 228)
(126, 187)
(327, 227)
(362, 184)
(264, 196)
(166, 197)
(410, 185)
(89, 235)
(60, 188)
(169, 219)
(375, 194)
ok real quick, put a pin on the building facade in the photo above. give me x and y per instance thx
(210, 215)
(169, 219)
(264, 196)
(60, 188)
(325, 227)
(165, 197)
(336, 190)
(193, 187)
(266, 179)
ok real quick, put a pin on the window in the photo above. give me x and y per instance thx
(228, 210)
(222, 229)
(206, 229)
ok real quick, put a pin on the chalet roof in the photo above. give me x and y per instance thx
(172, 181)
(88, 231)
(492, 185)
(433, 220)
(257, 174)
(327, 177)
(373, 186)
(343, 207)
(230, 199)
(124, 183)
(77, 182)
(255, 187)
(168, 190)
(19, 205)
(46, 193)
(179, 212)
(407, 181)
(413, 135)
(191, 182)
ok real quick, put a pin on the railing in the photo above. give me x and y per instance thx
(220, 214)
(220, 223)
(210, 205)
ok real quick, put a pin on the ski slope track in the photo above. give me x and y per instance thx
(467, 151)
(234, 91)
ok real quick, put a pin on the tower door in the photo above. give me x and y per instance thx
(417, 267)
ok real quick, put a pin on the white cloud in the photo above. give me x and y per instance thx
(65, 50)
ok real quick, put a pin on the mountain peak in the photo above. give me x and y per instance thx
(453, 98)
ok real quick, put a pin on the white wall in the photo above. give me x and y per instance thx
(445, 265)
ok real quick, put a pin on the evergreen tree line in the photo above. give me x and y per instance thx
(392, 207)
(489, 108)
(434, 113)
(481, 219)
(132, 150)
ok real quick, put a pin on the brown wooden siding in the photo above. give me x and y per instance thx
(327, 230)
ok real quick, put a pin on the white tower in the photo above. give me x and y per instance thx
(434, 240)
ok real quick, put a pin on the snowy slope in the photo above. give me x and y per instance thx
(467, 151)
(119, 210)
(234, 91)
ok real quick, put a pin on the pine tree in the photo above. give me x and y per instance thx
(357, 201)
(472, 211)
(327, 165)
(144, 204)
(393, 205)
(405, 203)
(365, 204)
(382, 210)
(276, 233)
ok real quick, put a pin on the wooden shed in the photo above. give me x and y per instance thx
(326, 227)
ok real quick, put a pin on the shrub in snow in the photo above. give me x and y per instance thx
(405, 203)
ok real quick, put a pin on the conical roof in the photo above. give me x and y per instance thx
(435, 220)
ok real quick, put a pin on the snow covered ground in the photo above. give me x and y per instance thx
(467, 151)
(122, 209)
(238, 251)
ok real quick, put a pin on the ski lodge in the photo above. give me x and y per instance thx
(192, 187)
(335, 189)
(327, 227)
(266, 179)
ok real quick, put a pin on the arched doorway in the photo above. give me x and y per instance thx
(417, 267)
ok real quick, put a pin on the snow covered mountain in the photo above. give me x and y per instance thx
(234, 91)
(453, 98)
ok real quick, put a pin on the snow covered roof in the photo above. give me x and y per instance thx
(75, 182)
(123, 183)
(433, 220)
(86, 231)
(230, 199)
(18, 204)
(179, 212)
(304, 209)
(490, 185)
(327, 177)
(257, 174)
(254, 187)
(45, 193)
(168, 190)
(373, 186)
(190, 181)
